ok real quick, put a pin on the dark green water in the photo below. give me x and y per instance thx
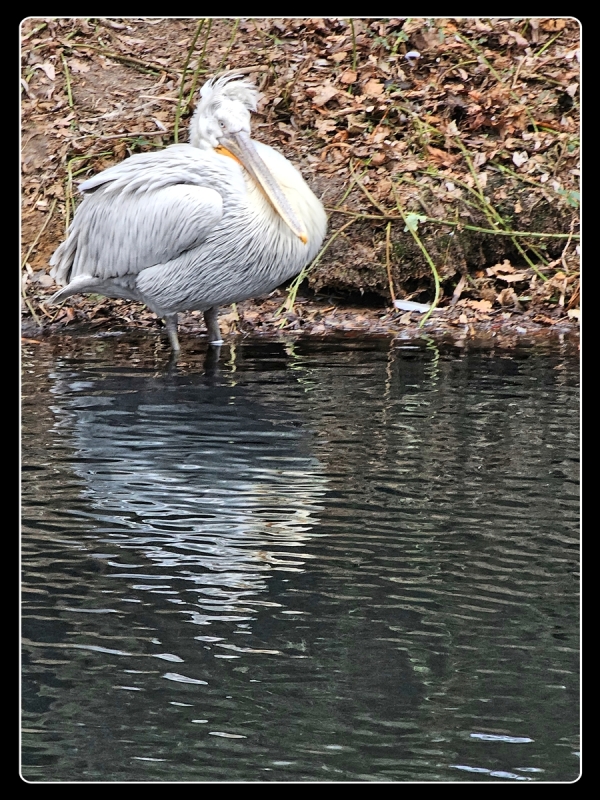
(334, 561)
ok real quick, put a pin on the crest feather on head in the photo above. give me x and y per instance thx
(231, 85)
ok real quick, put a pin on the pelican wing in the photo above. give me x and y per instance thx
(146, 211)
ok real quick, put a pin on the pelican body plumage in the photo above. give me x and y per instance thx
(194, 226)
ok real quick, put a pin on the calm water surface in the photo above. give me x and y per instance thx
(320, 561)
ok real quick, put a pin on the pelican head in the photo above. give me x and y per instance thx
(224, 108)
(221, 122)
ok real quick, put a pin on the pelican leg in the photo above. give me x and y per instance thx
(211, 318)
(171, 325)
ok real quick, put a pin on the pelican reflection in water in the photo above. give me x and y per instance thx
(214, 489)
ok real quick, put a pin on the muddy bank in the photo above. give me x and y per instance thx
(319, 317)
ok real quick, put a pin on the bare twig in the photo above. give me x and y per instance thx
(354, 53)
(136, 62)
(416, 237)
(34, 31)
(461, 225)
(488, 209)
(365, 190)
(229, 45)
(387, 261)
(458, 290)
(123, 136)
(517, 71)
(67, 80)
(179, 109)
(30, 307)
(566, 247)
(199, 69)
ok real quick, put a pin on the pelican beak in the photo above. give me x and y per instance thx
(240, 146)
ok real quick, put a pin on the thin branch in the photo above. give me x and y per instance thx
(348, 190)
(67, 80)
(387, 261)
(365, 190)
(178, 110)
(198, 69)
(34, 31)
(354, 53)
(502, 168)
(428, 258)
(547, 45)
(229, 46)
(136, 62)
(460, 225)
(489, 210)
(123, 136)
(566, 247)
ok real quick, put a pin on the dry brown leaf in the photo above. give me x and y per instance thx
(325, 127)
(451, 129)
(64, 120)
(48, 68)
(508, 297)
(553, 25)
(520, 41)
(384, 188)
(77, 65)
(480, 305)
(409, 166)
(518, 277)
(355, 124)
(324, 94)
(373, 88)
(511, 144)
(349, 76)
(378, 136)
(441, 156)
(505, 266)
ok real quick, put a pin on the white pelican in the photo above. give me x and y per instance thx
(194, 226)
